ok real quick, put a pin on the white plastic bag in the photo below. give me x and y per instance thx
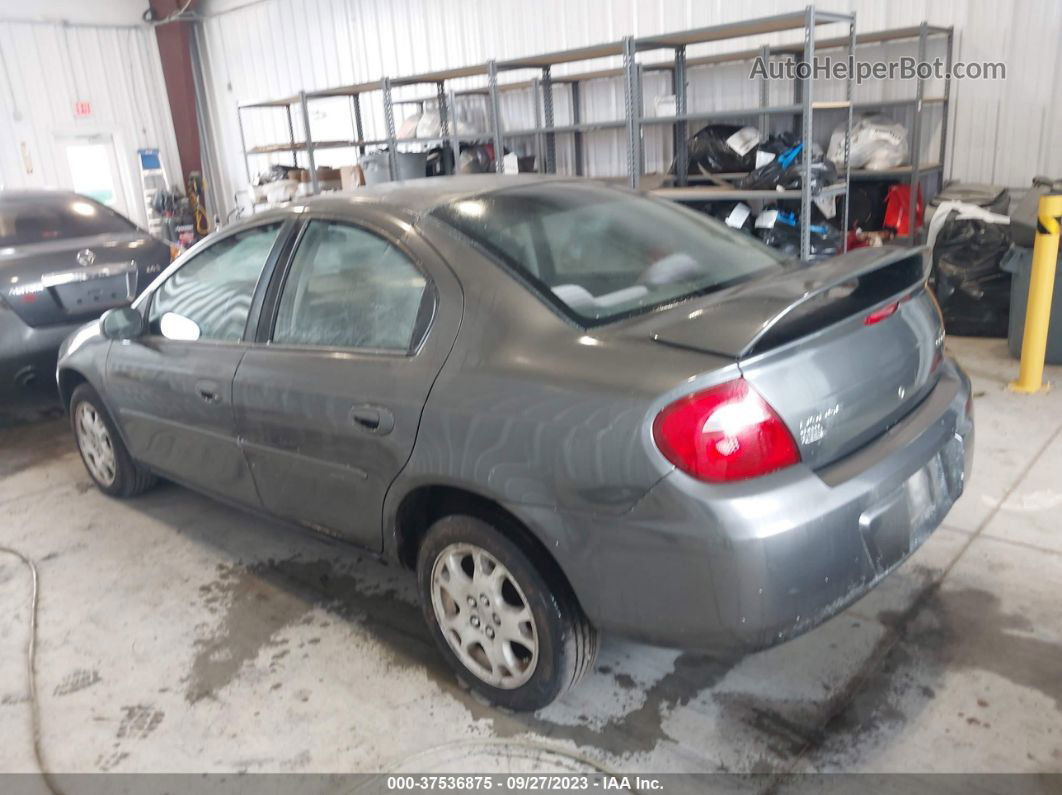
(877, 143)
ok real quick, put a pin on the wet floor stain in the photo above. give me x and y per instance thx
(966, 628)
(255, 602)
(946, 630)
(29, 441)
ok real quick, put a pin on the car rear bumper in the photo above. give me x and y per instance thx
(28, 354)
(743, 566)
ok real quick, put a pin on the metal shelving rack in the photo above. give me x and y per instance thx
(545, 131)
(635, 121)
(916, 170)
(385, 86)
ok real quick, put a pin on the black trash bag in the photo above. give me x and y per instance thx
(736, 215)
(440, 161)
(971, 288)
(779, 142)
(867, 209)
(823, 173)
(784, 235)
(710, 153)
(785, 172)
(769, 176)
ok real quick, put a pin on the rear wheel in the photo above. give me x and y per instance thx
(101, 448)
(510, 633)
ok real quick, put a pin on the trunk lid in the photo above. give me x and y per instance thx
(807, 342)
(76, 279)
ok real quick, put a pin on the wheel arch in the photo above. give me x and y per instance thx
(69, 379)
(423, 505)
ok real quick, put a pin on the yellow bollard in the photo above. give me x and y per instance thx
(1041, 287)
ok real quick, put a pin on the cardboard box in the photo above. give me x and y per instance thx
(351, 177)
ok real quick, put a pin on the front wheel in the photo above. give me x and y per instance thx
(510, 633)
(101, 448)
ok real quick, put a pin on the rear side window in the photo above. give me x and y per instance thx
(600, 254)
(209, 297)
(349, 288)
(38, 219)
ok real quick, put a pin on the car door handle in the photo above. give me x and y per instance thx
(207, 391)
(373, 419)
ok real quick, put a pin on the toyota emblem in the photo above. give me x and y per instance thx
(85, 257)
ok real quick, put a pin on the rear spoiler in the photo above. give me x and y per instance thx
(766, 313)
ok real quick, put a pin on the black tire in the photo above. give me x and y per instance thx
(130, 478)
(566, 641)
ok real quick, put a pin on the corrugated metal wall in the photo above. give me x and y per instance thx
(46, 67)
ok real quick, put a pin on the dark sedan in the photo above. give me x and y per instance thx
(568, 407)
(64, 259)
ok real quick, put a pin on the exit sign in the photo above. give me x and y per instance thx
(82, 108)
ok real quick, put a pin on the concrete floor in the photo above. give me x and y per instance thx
(180, 635)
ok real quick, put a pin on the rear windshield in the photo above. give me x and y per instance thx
(600, 254)
(36, 219)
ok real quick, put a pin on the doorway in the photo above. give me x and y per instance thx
(93, 168)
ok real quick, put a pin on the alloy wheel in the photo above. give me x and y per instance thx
(94, 441)
(484, 616)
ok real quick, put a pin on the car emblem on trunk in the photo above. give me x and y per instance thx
(85, 257)
(901, 392)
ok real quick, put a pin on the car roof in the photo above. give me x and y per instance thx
(422, 195)
(16, 195)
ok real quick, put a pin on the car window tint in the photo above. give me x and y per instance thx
(349, 288)
(25, 220)
(214, 289)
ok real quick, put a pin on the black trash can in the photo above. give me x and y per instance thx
(1018, 262)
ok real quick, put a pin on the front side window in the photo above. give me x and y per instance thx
(601, 254)
(349, 288)
(209, 297)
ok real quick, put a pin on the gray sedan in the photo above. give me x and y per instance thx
(64, 258)
(568, 407)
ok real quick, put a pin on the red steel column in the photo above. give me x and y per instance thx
(174, 40)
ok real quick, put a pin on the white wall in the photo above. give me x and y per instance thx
(89, 12)
(1003, 132)
(47, 66)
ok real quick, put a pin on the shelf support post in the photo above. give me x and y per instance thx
(495, 113)
(455, 144)
(355, 109)
(765, 93)
(806, 132)
(916, 143)
(946, 106)
(547, 114)
(305, 105)
(389, 119)
(630, 97)
(682, 156)
(577, 118)
(444, 123)
(243, 143)
(848, 133)
(540, 137)
(291, 136)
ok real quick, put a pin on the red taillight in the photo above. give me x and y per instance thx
(879, 315)
(724, 433)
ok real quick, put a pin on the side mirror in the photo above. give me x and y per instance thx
(124, 323)
(178, 327)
